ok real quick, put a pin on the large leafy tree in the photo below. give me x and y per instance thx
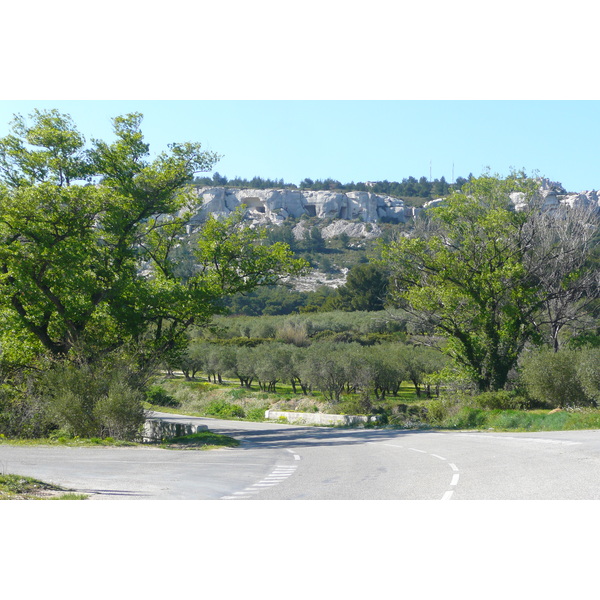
(90, 234)
(465, 273)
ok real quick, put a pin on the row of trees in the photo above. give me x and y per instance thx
(410, 187)
(332, 368)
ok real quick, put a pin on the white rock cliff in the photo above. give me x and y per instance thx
(358, 211)
(274, 206)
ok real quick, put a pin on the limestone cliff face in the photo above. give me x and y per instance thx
(274, 206)
(554, 196)
(358, 212)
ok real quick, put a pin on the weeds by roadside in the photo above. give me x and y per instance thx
(18, 487)
(203, 440)
(65, 440)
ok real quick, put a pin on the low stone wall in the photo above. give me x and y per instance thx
(301, 418)
(158, 429)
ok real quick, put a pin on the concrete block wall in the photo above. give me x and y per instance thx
(300, 418)
(158, 429)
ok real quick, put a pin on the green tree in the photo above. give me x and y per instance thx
(325, 369)
(465, 273)
(417, 362)
(88, 239)
(365, 288)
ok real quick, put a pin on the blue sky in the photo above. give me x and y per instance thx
(362, 140)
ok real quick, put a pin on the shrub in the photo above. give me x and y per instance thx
(256, 414)
(552, 379)
(157, 395)
(468, 417)
(120, 413)
(293, 332)
(221, 408)
(71, 392)
(92, 400)
(588, 372)
(22, 416)
(501, 400)
(439, 410)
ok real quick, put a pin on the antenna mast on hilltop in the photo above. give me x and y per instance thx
(430, 171)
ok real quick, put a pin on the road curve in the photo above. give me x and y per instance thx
(285, 462)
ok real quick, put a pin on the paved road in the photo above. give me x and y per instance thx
(283, 462)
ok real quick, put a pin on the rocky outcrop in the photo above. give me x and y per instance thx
(554, 196)
(339, 227)
(354, 213)
(274, 206)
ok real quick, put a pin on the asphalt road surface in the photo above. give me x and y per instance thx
(284, 462)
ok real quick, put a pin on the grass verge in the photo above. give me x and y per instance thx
(18, 487)
(65, 441)
(522, 420)
(203, 440)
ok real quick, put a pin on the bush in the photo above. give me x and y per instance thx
(552, 378)
(22, 416)
(93, 400)
(468, 417)
(221, 408)
(156, 395)
(439, 410)
(256, 414)
(120, 413)
(71, 392)
(588, 372)
(501, 400)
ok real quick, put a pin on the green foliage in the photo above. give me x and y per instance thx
(588, 373)
(271, 300)
(21, 415)
(440, 409)
(465, 275)
(202, 439)
(92, 265)
(325, 368)
(563, 378)
(225, 410)
(158, 396)
(92, 400)
(256, 414)
(501, 400)
(365, 288)
(95, 257)
(120, 412)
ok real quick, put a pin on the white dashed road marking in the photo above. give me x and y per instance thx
(447, 495)
(276, 476)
